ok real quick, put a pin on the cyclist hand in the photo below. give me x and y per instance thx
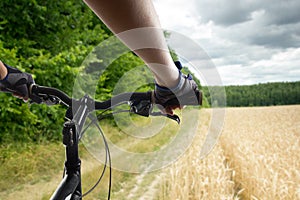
(186, 93)
(16, 82)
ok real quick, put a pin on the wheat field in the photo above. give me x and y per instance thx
(257, 157)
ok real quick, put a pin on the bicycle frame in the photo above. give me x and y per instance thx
(70, 186)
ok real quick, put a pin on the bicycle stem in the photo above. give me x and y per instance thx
(70, 187)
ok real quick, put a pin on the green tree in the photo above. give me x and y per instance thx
(267, 94)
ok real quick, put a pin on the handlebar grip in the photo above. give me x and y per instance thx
(199, 97)
(194, 98)
(134, 97)
(190, 99)
(141, 96)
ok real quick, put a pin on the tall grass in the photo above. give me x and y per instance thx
(27, 164)
(263, 148)
(194, 178)
(258, 157)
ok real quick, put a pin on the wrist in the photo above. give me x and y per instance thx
(3, 71)
(174, 88)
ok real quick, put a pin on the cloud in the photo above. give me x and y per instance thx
(274, 36)
(265, 23)
(244, 39)
(227, 13)
(224, 12)
(281, 12)
(282, 66)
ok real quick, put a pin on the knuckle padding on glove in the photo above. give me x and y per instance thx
(186, 93)
(16, 81)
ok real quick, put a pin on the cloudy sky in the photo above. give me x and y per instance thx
(249, 41)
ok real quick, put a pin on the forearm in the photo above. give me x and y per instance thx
(136, 23)
(3, 71)
(122, 15)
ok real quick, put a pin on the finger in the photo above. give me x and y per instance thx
(17, 95)
(169, 111)
(20, 96)
(174, 107)
(25, 99)
(22, 90)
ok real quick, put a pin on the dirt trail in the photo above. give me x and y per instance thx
(144, 186)
(151, 189)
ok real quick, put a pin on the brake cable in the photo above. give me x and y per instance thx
(94, 121)
(107, 153)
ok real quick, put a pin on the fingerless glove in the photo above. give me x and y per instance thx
(16, 82)
(185, 93)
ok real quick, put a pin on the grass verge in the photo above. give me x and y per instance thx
(28, 163)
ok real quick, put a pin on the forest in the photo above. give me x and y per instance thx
(263, 94)
(51, 40)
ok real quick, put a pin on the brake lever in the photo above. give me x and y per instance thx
(36, 97)
(173, 117)
(51, 100)
(46, 99)
(145, 107)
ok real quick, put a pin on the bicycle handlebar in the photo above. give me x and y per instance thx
(141, 103)
(38, 91)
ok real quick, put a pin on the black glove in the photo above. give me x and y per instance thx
(185, 93)
(16, 82)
